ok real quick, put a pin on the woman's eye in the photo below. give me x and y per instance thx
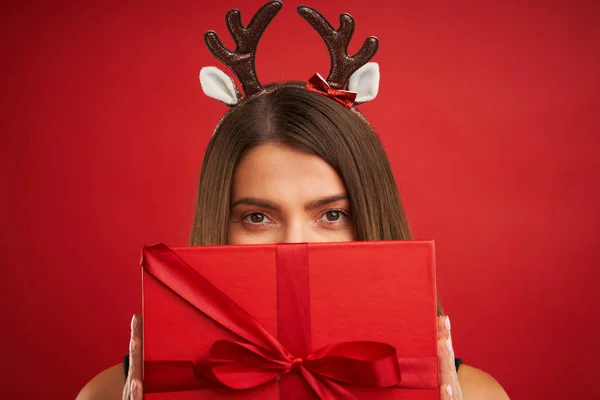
(334, 215)
(256, 218)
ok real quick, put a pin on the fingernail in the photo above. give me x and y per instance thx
(133, 386)
(133, 323)
(447, 324)
(449, 345)
(131, 345)
(449, 390)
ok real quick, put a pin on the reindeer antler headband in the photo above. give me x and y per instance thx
(356, 73)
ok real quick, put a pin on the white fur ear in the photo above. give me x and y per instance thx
(365, 82)
(218, 85)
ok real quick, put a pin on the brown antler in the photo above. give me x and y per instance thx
(342, 65)
(241, 61)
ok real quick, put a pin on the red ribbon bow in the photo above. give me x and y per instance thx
(243, 365)
(319, 85)
(238, 365)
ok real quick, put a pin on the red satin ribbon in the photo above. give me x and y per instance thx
(319, 85)
(262, 358)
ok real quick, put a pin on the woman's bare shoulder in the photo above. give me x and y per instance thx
(477, 384)
(107, 385)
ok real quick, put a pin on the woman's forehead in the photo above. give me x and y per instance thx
(284, 174)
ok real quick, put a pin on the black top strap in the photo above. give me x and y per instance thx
(458, 362)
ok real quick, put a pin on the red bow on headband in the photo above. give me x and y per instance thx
(319, 85)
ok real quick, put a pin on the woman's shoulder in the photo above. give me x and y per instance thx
(477, 384)
(107, 385)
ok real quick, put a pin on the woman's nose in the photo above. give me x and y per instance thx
(295, 233)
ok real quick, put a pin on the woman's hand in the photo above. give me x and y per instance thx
(449, 386)
(133, 389)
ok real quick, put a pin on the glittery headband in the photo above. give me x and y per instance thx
(354, 73)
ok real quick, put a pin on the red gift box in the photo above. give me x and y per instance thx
(291, 321)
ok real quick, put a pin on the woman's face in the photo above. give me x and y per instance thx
(284, 195)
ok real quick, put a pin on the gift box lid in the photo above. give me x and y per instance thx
(376, 291)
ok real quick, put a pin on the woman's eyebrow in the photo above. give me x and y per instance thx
(311, 205)
(253, 201)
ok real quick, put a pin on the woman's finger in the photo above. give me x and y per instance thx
(443, 356)
(136, 360)
(136, 347)
(136, 390)
(449, 386)
(127, 388)
(133, 385)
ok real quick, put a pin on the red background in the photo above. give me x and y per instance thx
(488, 110)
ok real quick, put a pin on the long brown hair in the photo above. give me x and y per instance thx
(314, 123)
(291, 115)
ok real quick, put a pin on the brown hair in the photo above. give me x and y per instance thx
(314, 123)
(291, 115)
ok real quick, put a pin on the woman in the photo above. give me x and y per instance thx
(295, 162)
